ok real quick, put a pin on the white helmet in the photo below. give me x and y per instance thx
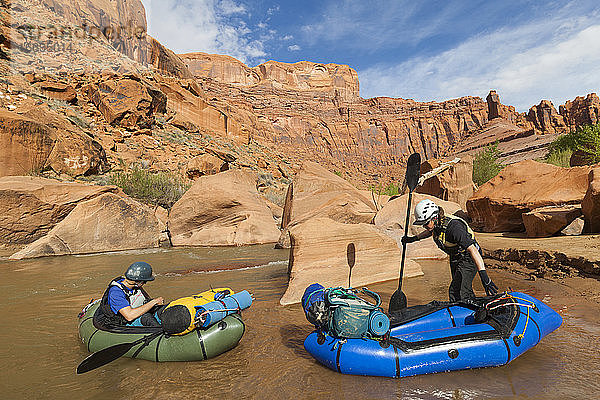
(425, 211)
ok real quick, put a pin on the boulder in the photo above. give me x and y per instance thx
(129, 103)
(391, 218)
(590, 205)
(58, 91)
(205, 164)
(575, 228)
(40, 139)
(318, 254)
(106, 223)
(579, 158)
(32, 206)
(316, 192)
(222, 210)
(498, 205)
(550, 220)
(455, 184)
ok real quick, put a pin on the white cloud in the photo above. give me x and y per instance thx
(294, 47)
(287, 37)
(556, 59)
(229, 7)
(212, 26)
(376, 24)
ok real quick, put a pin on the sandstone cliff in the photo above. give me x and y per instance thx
(313, 111)
(269, 118)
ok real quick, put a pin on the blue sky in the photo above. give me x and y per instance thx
(424, 50)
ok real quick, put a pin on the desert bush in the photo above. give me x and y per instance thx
(391, 189)
(559, 158)
(161, 188)
(585, 138)
(485, 164)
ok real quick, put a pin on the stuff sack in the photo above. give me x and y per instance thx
(213, 312)
(313, 304)
(354, 317)
(177, 318)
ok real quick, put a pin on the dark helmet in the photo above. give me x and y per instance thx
(139, 271)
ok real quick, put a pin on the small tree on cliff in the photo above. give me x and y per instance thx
(485, 164)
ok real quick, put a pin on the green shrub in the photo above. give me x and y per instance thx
(390, 190)
(162, 188)
(485, 164)
(560, 158)
(585, 138)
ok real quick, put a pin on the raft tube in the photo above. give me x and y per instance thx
(441, 337)
(199, 344)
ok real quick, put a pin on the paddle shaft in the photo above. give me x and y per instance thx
(404, 242)
(398, 299)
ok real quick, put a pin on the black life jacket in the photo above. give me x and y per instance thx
(454, 250)
(106, 314)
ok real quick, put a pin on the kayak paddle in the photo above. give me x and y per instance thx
(413, 170)
(109, 354)
(350, 255)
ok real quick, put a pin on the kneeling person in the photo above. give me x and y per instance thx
(125, 302)
(453, 236)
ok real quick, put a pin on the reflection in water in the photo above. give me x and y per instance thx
(40, 347)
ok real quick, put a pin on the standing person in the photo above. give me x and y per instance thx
(453, 236)
(125, 302)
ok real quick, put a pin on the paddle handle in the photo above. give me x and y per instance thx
(404, 242)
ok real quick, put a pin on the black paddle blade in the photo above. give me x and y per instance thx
(351, 254)
(413, 171)
(103, 357)
(397, 301)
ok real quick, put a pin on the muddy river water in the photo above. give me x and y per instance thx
(40, 348)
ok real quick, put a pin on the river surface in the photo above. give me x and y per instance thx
(40, 348)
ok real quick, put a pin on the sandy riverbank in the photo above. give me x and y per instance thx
(572, 261)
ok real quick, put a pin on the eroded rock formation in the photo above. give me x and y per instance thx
(591, 202)
(130, 102)
(222, 210)
(38, 139)
(319, 255)
(312, 111)
(31, 206)
(582, 110)
(454, 184)
(499, 204)
(105, 223)
(317, 192)
(206, 164)
(545, 118)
